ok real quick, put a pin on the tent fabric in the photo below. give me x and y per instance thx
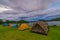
(5, 24)
(23, 26)
(10, 25)
(14, 26)
(40, 27)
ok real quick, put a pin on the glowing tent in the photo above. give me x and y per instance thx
(23, 26)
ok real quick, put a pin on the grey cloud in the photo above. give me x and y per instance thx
(24, 8)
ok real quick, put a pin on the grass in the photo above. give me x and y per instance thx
(7, 33)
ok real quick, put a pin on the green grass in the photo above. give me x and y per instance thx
(7, 33)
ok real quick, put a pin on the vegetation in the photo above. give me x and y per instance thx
(56, 19)
(1, 21)
(23, 21)
(7, 21)
(7, 33)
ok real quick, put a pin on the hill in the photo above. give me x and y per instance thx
(56, 19)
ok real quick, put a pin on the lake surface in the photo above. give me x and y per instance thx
(57, 23)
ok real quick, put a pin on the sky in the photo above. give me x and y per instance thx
(30, 10)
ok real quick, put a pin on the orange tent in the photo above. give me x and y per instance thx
(23, 26)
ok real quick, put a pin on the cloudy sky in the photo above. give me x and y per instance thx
(31, 10)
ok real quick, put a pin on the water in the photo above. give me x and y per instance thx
(51, 23)
(57, 23)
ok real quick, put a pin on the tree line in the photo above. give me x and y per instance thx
(7, 21)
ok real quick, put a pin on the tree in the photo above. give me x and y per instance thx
(23, 21)
(7, 21)
(1, 21)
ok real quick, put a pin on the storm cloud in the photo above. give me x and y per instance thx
(30, 9)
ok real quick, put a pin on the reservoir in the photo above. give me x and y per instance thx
(51, 23)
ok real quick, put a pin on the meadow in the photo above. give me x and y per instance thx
(7, 33)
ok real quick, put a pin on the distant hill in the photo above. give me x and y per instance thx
(56, 19)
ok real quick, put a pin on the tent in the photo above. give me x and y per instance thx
(23, 26)
(40, 27)
(10, 25)
(5, 24)
(14, 26)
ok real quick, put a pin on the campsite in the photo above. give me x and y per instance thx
(12, 32)
(29, 19)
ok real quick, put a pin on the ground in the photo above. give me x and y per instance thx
(7, 33)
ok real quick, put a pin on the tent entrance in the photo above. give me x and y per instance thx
(38, 28)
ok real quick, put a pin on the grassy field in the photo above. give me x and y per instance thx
(7, 33)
